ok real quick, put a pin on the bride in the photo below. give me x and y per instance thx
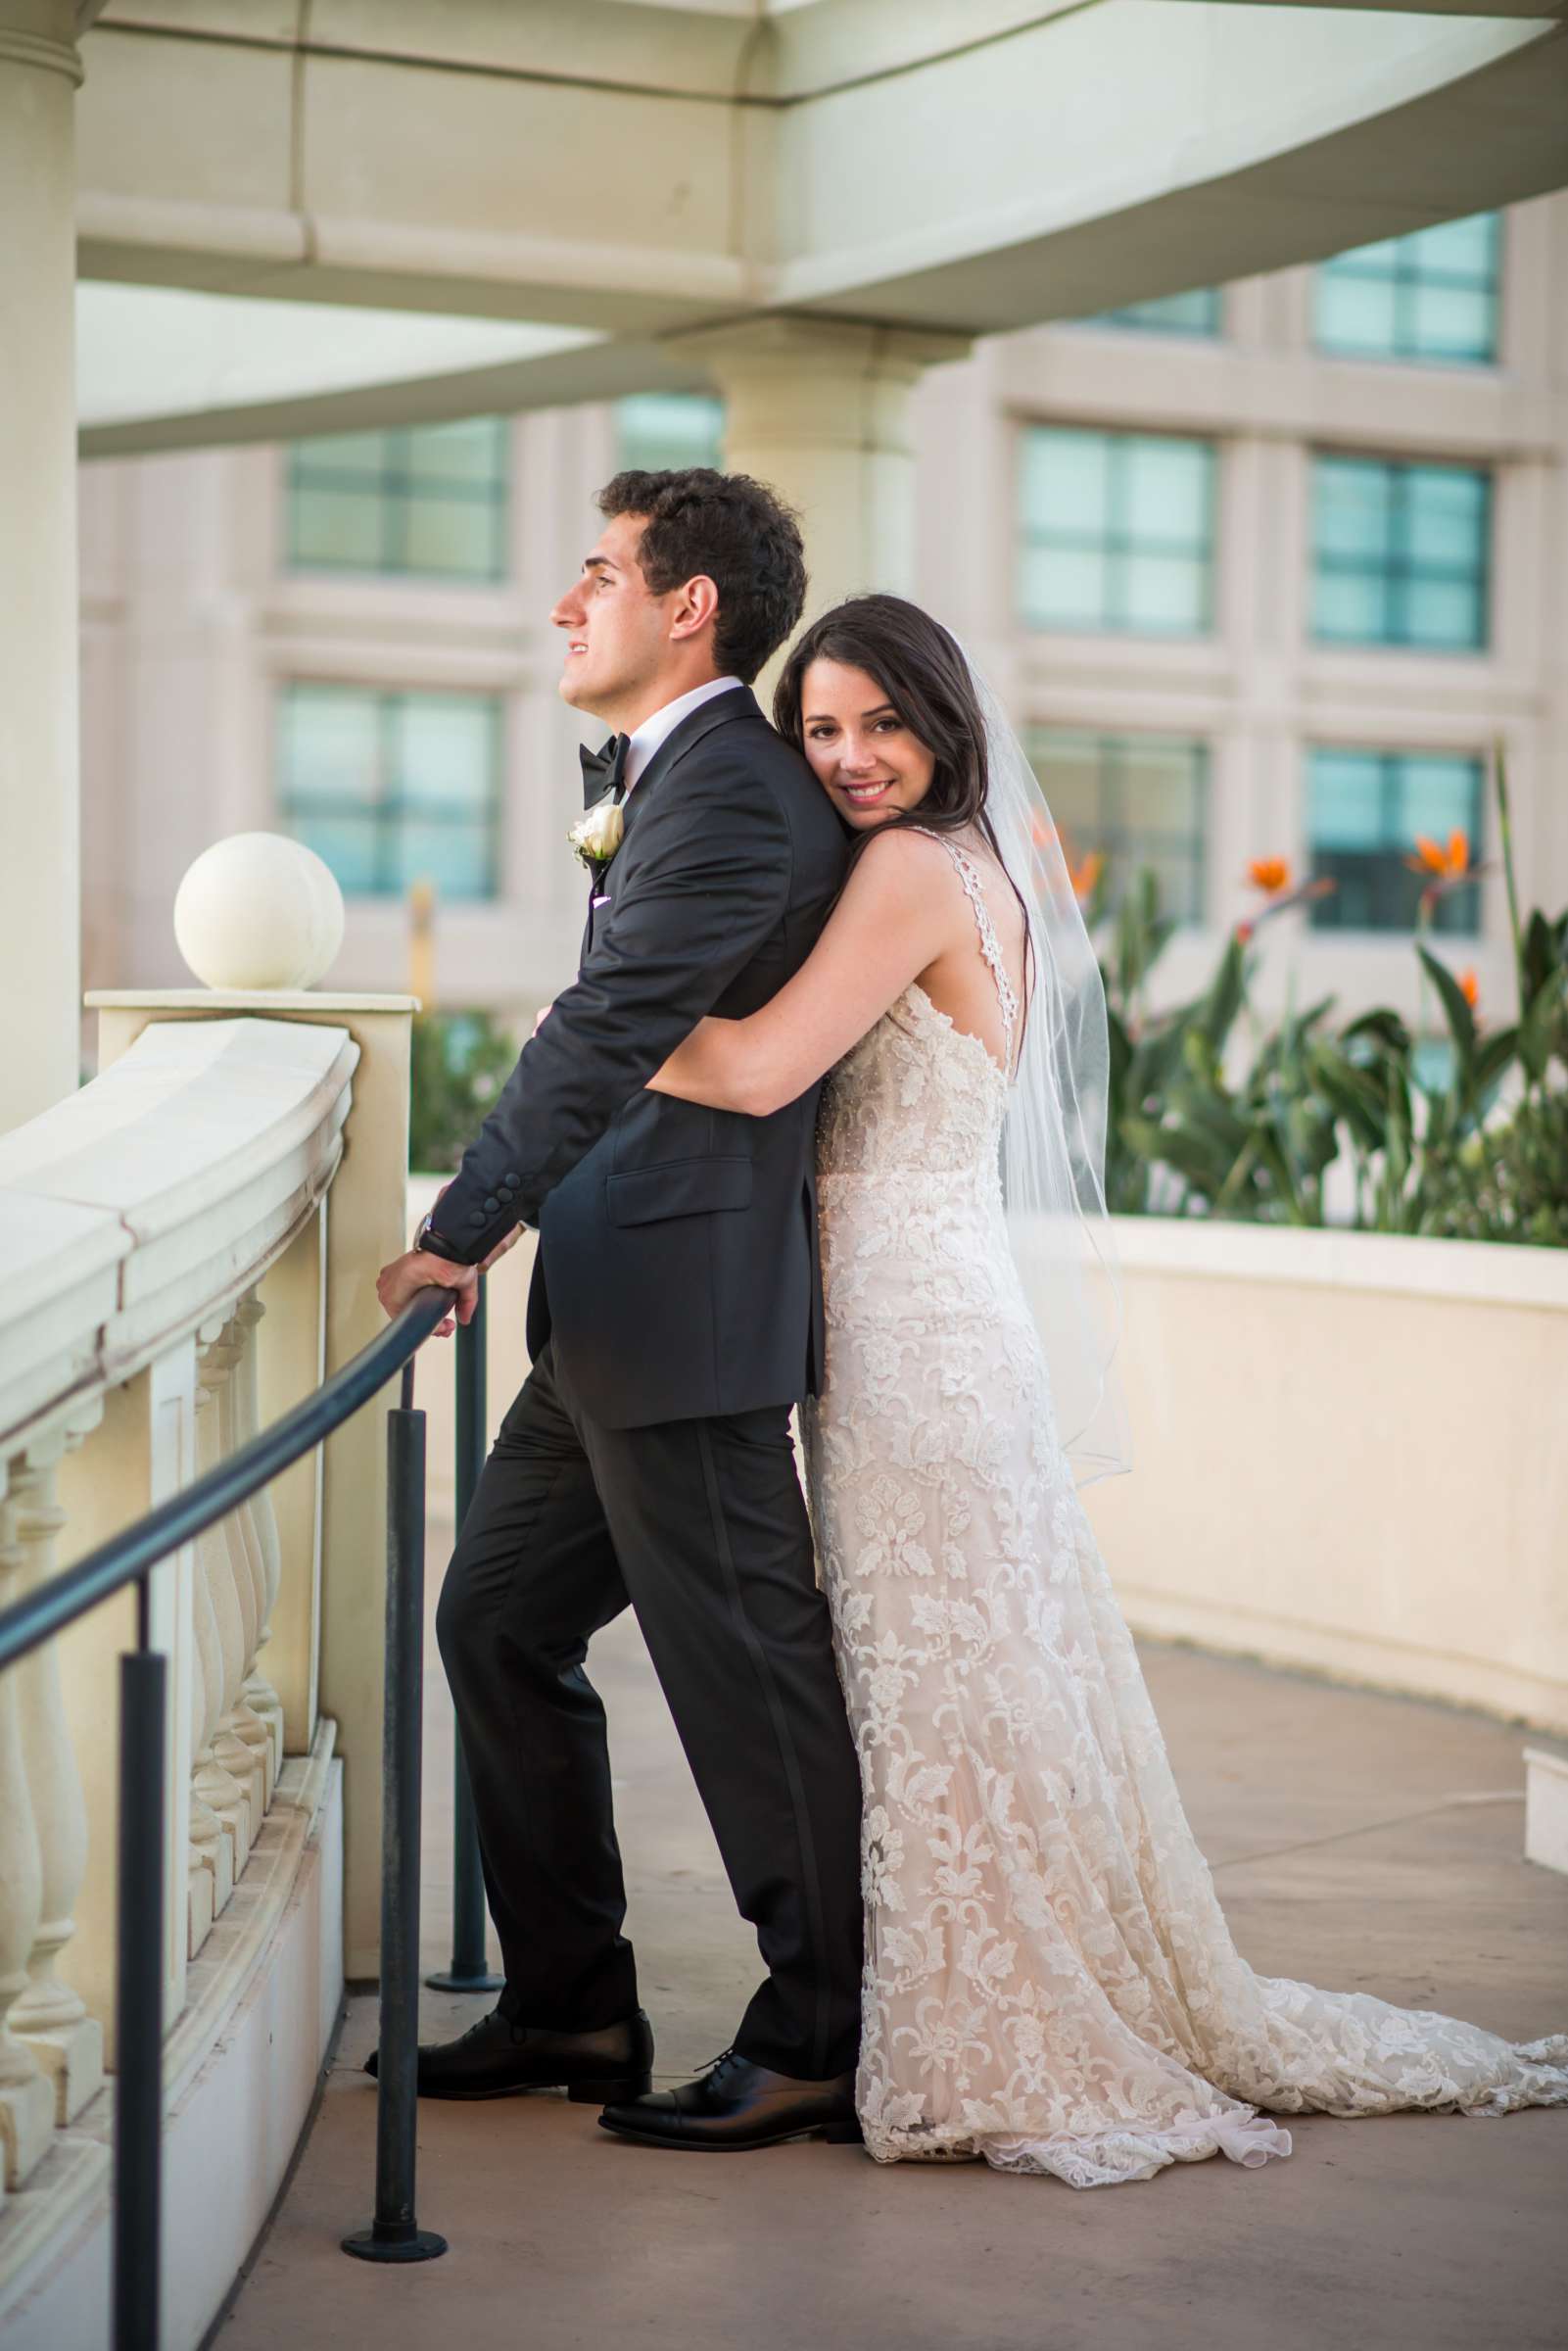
(1050, 1983)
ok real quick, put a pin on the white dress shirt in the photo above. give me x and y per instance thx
(654, 731)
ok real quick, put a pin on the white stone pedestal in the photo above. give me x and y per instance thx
(26, 2119)
(71, 2057)
(1546, 1808)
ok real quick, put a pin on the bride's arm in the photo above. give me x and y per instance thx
(897, 914)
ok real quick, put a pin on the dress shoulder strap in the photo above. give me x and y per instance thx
(990, 946)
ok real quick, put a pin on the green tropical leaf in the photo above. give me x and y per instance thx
(1456, 1012)
(1218, 1010)
(1539, 1031)
(1541, 956)
(1381, 1027)
(1494, 1054)
(1353, 1094)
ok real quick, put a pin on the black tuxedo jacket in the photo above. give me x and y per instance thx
(677, 1271)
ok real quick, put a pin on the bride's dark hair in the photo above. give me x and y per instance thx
(925, 676)
(926, 679)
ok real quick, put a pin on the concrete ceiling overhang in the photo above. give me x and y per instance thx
(626, 173)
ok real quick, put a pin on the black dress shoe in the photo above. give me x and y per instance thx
(738, 2105)
(497, 2059)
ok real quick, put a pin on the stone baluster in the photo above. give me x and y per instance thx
(218, 1638)
(52, 2017)
(209, 1856)
(27, 2095)
(258, 1691)
(241, 1722)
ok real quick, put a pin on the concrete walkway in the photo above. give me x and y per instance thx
(1358, 1841)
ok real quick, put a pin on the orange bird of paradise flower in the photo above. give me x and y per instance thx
(1269, 873)
(1439, 862)
(1470, 988)
(1087, 873)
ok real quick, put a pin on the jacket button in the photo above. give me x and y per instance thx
(512, 1177)
(505, 1191)
(476, 1216)
(490, 1205)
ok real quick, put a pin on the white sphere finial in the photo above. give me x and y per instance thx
(259, 911)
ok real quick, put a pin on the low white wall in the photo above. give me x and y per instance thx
(241, 2069)
(1349, 1452)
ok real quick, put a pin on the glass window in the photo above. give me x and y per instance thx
(1136, 800)
(1402, 554)
(392, 789)
(1199, 313)
(426, 499)
(1117, 532)
(1431, 296)
(657, 432)
(1364, 811)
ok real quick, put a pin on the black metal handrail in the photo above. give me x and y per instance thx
(128, 1558)
(470, 1966)
(129, 1555)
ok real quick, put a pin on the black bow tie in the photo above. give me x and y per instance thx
(603, 771)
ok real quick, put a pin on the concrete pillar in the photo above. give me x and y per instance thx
(820, 407)
(39, 881)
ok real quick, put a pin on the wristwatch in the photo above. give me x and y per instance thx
(434, 1243)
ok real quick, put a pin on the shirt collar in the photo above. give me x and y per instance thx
(654, 731)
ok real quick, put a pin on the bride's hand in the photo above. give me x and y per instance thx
(510, 1242)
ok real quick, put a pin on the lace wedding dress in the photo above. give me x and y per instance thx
(1050, 1983)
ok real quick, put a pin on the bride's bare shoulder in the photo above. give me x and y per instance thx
(903, 869)
(907, 855)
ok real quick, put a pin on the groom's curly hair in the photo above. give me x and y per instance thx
(736, 532)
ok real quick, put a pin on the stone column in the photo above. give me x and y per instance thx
(39, 917)
(141, 1454)
(292, 1363)
(51, 2014)
(241, 1722)
(222, 1774)
(267, 1560)
(820, 407)
(26, 2095)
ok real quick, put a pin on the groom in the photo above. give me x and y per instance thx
(675, 1316)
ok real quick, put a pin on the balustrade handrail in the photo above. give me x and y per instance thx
(124, 1558)
(139, 1204)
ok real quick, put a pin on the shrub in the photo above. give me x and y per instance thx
(1478, 1150)
(459, 1061)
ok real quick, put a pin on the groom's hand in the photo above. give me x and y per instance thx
(416, 1271)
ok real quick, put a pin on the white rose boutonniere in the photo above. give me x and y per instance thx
(598, 836)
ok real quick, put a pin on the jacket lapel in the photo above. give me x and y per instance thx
(738, 703)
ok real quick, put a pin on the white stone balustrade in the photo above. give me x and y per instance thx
(140, 1216)
(260, 1696)
(26, 2100)
(171, 1276)
(51, 2015)
(223, 1766)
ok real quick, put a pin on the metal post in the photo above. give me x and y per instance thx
(139, 1998)
(470, 1970)
(395, 2235)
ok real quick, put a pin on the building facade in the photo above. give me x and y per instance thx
(1266, 571)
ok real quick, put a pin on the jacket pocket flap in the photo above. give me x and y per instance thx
(681, 1187)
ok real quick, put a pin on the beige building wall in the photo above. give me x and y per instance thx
(192, 622)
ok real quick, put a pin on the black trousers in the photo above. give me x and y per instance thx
(700, 1527)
